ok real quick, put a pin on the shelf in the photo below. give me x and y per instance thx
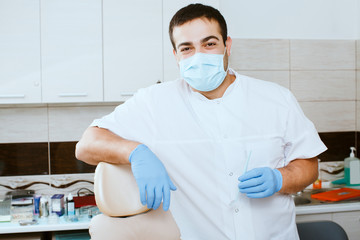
(44, 226)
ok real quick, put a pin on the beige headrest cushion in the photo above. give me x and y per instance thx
(116, 191)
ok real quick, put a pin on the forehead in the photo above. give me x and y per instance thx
(195, 30)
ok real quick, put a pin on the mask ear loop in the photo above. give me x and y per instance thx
(227, 69)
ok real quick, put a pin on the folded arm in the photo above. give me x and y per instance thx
(101, 145)
(299, 174)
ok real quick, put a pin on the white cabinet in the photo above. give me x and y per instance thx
(350, 221)
(19, 51)
(71, 50)
(132, 33)
(84, 51)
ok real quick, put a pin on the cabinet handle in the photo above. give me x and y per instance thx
(127, 94)
(12, 96)
(72, 94)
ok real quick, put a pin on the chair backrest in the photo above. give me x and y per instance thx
(321, 230)
(124, 217)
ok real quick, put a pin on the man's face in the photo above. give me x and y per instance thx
(198, 35)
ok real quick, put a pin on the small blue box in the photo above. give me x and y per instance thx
(37, 204)
(57, 204)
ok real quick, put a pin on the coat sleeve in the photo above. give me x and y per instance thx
(301, 138)
(131, 120)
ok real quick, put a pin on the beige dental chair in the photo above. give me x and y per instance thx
(123, 216)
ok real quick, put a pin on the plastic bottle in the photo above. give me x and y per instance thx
(352, 169)
(44, 207)
(70, 206)
(66, 206)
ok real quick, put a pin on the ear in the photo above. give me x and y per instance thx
(176, 58)
(228, 45)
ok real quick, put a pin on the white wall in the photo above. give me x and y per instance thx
(358, 19)
(292, 19)
(273, 19)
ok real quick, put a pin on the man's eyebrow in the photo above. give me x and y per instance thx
(202, 41)
(208, 38)
(184, 44)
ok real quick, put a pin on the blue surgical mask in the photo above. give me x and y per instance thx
(203, 72)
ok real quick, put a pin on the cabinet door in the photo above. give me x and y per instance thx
(19, 51)
(350, 221)
(132, 46)
(71, 50)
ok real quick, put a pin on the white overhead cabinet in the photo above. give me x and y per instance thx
(71, 50)
(132, 33)
(79, 51)
(19, 51)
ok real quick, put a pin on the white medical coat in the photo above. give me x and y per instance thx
(204, 145)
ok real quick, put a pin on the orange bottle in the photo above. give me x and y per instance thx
(317, 183)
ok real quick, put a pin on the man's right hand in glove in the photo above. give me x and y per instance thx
(151, 177)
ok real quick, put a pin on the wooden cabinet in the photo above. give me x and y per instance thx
(71, 50)
(19, 51)
(132, 33)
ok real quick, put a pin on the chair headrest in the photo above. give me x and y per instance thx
(116, 191)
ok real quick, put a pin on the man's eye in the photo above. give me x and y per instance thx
(185, 49)
(211, 44)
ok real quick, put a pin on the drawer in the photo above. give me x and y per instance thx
(313, 217)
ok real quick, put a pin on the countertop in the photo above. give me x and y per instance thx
(317, 206)
(327, 208)
(64, 225)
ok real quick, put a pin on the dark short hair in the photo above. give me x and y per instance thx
(194, 11)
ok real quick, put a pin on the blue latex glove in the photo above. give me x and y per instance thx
(260, 182)
(151, 177)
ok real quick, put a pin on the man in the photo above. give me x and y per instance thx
(232, 147)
